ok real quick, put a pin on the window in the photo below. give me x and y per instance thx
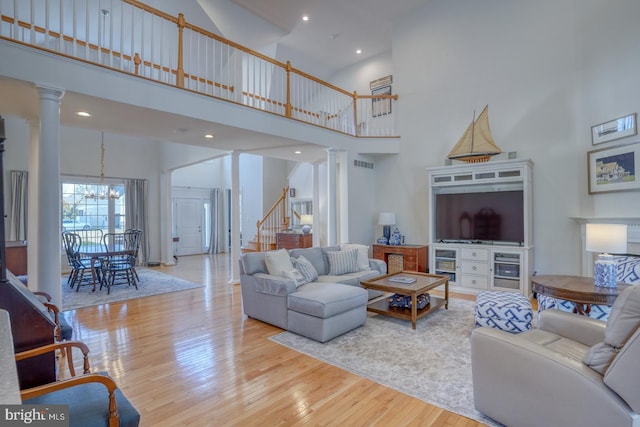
(86, 204)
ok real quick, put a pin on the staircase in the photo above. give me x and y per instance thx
(274, 221)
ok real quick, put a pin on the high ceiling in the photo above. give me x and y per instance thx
(321, 46)
(336, 28)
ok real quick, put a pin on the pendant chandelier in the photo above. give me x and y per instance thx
(110, 193)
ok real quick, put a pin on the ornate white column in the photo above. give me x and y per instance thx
(317, 230)
(48, 194)
(166, 221)
(32, 196)
(235, 217)
(332, 216)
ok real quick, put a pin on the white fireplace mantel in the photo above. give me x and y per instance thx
(633, 237)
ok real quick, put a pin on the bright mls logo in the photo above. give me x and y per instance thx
(34, 415)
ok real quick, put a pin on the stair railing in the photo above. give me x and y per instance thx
(275, 220)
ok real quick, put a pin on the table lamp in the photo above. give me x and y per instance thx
(386, 220)
(606, 239)
(306, 221)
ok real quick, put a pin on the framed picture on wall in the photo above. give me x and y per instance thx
(381, 106)
(614, 129)
(614, 169)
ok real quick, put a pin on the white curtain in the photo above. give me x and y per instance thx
(135, 193)
(217, 221)
(18, 206)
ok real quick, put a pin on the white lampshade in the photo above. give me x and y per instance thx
(387, 218)
(606, 238)
(306, 219)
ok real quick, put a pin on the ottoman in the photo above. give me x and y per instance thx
(507, 311)
(322, 311)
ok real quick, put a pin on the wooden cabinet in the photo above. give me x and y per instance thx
(293, 240)
(414, 257)
(16, 254)
(31, 327)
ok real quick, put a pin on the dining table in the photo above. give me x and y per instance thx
(94, 254)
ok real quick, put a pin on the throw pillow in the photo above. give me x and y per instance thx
(622, 323)
(342, 262)
(296, 276)
(305, 267)
(363, 254)
(278, 262)
(628, 270)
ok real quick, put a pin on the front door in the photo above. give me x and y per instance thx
(189, 220)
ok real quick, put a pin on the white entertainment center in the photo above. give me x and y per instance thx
(480, 225)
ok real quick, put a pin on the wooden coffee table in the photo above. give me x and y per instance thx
(424, 282)
(579, 290)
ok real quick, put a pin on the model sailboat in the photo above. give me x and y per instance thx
(476, 145)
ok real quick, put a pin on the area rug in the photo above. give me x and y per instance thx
(152, 282)
(431, 363)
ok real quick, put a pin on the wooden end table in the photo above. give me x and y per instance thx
(423, 283)
(579, 290)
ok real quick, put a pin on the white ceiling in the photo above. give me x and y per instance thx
(329, 39)
(336, 28)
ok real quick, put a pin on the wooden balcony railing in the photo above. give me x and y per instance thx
(131, 37)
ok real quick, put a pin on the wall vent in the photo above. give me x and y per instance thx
(362, 164)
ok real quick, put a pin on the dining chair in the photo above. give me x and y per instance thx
(72, 245)
(118, 265)
(133, 237)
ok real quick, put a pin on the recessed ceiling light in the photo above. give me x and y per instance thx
(305, 18)
(209, 136)
(358, 51)
(83, 114)
(298, 152)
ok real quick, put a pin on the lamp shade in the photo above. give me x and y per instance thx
(606, 238)
(306, 219)
(387, 218)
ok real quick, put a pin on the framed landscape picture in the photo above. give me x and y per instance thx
(614, 169)
(614, 129)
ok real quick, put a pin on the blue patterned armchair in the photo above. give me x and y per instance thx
(628, 272)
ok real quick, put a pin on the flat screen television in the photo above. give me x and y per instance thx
(480, 217)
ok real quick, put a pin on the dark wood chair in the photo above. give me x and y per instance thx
(72, 243)
(118, 266)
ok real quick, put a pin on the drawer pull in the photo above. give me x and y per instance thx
(474, 268)
(474, 254)
(473, 281)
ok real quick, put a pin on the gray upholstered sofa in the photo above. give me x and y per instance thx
(570, 371)
(329, 305)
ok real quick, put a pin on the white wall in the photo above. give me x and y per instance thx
(274, 180)
(364, 200)
(125, 157)
(608, 87)
(251, 192)
(210, 174)
(363, 197)
(548, 71)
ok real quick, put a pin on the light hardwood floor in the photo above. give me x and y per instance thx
(192, 358)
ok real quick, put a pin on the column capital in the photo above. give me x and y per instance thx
(49, 92)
